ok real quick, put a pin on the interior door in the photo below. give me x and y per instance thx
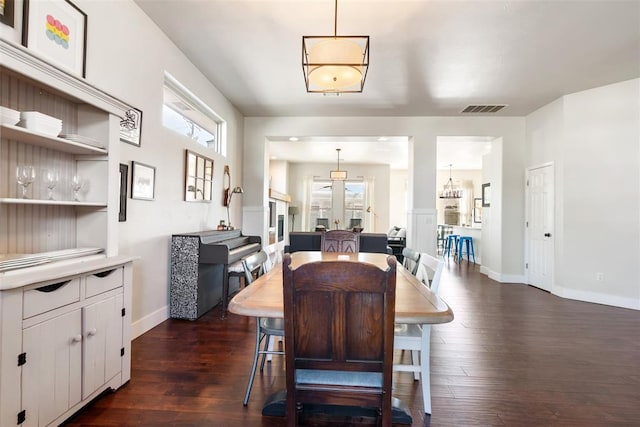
(540, 238)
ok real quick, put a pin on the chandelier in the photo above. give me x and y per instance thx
(338, 175)
(335, 64)
(449, 191)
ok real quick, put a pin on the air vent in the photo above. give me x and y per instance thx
(483, 108)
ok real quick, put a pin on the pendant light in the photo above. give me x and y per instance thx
(449, 191)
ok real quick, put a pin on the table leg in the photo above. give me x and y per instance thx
(425, 367)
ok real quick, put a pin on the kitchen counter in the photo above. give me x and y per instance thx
(476, 234)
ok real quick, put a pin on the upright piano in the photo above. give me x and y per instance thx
(199, 269)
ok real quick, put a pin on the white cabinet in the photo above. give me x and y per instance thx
(64, 340)
(65, 326)
(102, 333)
(51, 375)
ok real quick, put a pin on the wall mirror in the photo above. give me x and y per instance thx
(198, 177)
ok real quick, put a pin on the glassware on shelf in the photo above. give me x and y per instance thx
(76, 185)
(51, 178)
(25, 175)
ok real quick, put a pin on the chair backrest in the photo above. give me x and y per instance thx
(340, 241)
(254, 265)
(435, 265)
(339, 326)
(323, 222)
(354, 222)
(411, 260)
(274, 256)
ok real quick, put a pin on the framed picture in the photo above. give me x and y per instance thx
(11, 20)
(198, 176)
(124, 178)
(486, 195)
(56, 30)
(7, 12)
(143, 181)
(477, 210)
(131, 127)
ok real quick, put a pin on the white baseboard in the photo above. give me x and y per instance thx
(596, 297)
(148, 322)
(503, 278)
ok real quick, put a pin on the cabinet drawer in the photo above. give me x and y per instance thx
(104, 281)
(54, 295)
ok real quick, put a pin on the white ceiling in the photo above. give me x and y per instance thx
(428, 57)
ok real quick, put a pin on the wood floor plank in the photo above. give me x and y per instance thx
(513, 356)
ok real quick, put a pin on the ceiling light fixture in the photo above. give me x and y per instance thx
(449, 191)
(338, 175)
(335, 64)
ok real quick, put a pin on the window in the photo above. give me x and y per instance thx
(320, 209)
(187, 115)
(351, 214)
(354, 204)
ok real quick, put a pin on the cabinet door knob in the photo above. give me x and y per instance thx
(92, 332)
(547, 234)
(77, 338)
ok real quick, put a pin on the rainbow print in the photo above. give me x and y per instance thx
(57, 32)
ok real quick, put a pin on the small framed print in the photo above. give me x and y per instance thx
(11, 20)
(7, 12)
(56, 30)
(131, 127)
(477, 211)
(486, 195)
(143, 181)
(124, 178)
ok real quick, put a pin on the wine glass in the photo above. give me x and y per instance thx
(76, 185)
(25, 175)
(51, 180)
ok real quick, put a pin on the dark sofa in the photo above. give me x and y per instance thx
(311, 241)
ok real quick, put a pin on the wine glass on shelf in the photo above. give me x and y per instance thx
(51, 180)
(25, 175)
(76, 185)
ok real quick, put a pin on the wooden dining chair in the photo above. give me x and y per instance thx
(266, 327)
(339, 320)
(410, 336)
(340, 241)
(411, 260)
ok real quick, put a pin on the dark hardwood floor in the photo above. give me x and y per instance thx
(513, 356)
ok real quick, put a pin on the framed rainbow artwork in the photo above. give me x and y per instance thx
(56, 30)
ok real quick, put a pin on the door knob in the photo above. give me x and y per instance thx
(92, 332)
(547, 234)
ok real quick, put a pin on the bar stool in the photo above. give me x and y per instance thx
(452, 239)
(469, 242)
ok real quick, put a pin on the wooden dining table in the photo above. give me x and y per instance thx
(415, 303)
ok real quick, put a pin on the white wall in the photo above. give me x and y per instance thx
(278, 175)
(593, 138)
(127, 56)
(398, 202)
